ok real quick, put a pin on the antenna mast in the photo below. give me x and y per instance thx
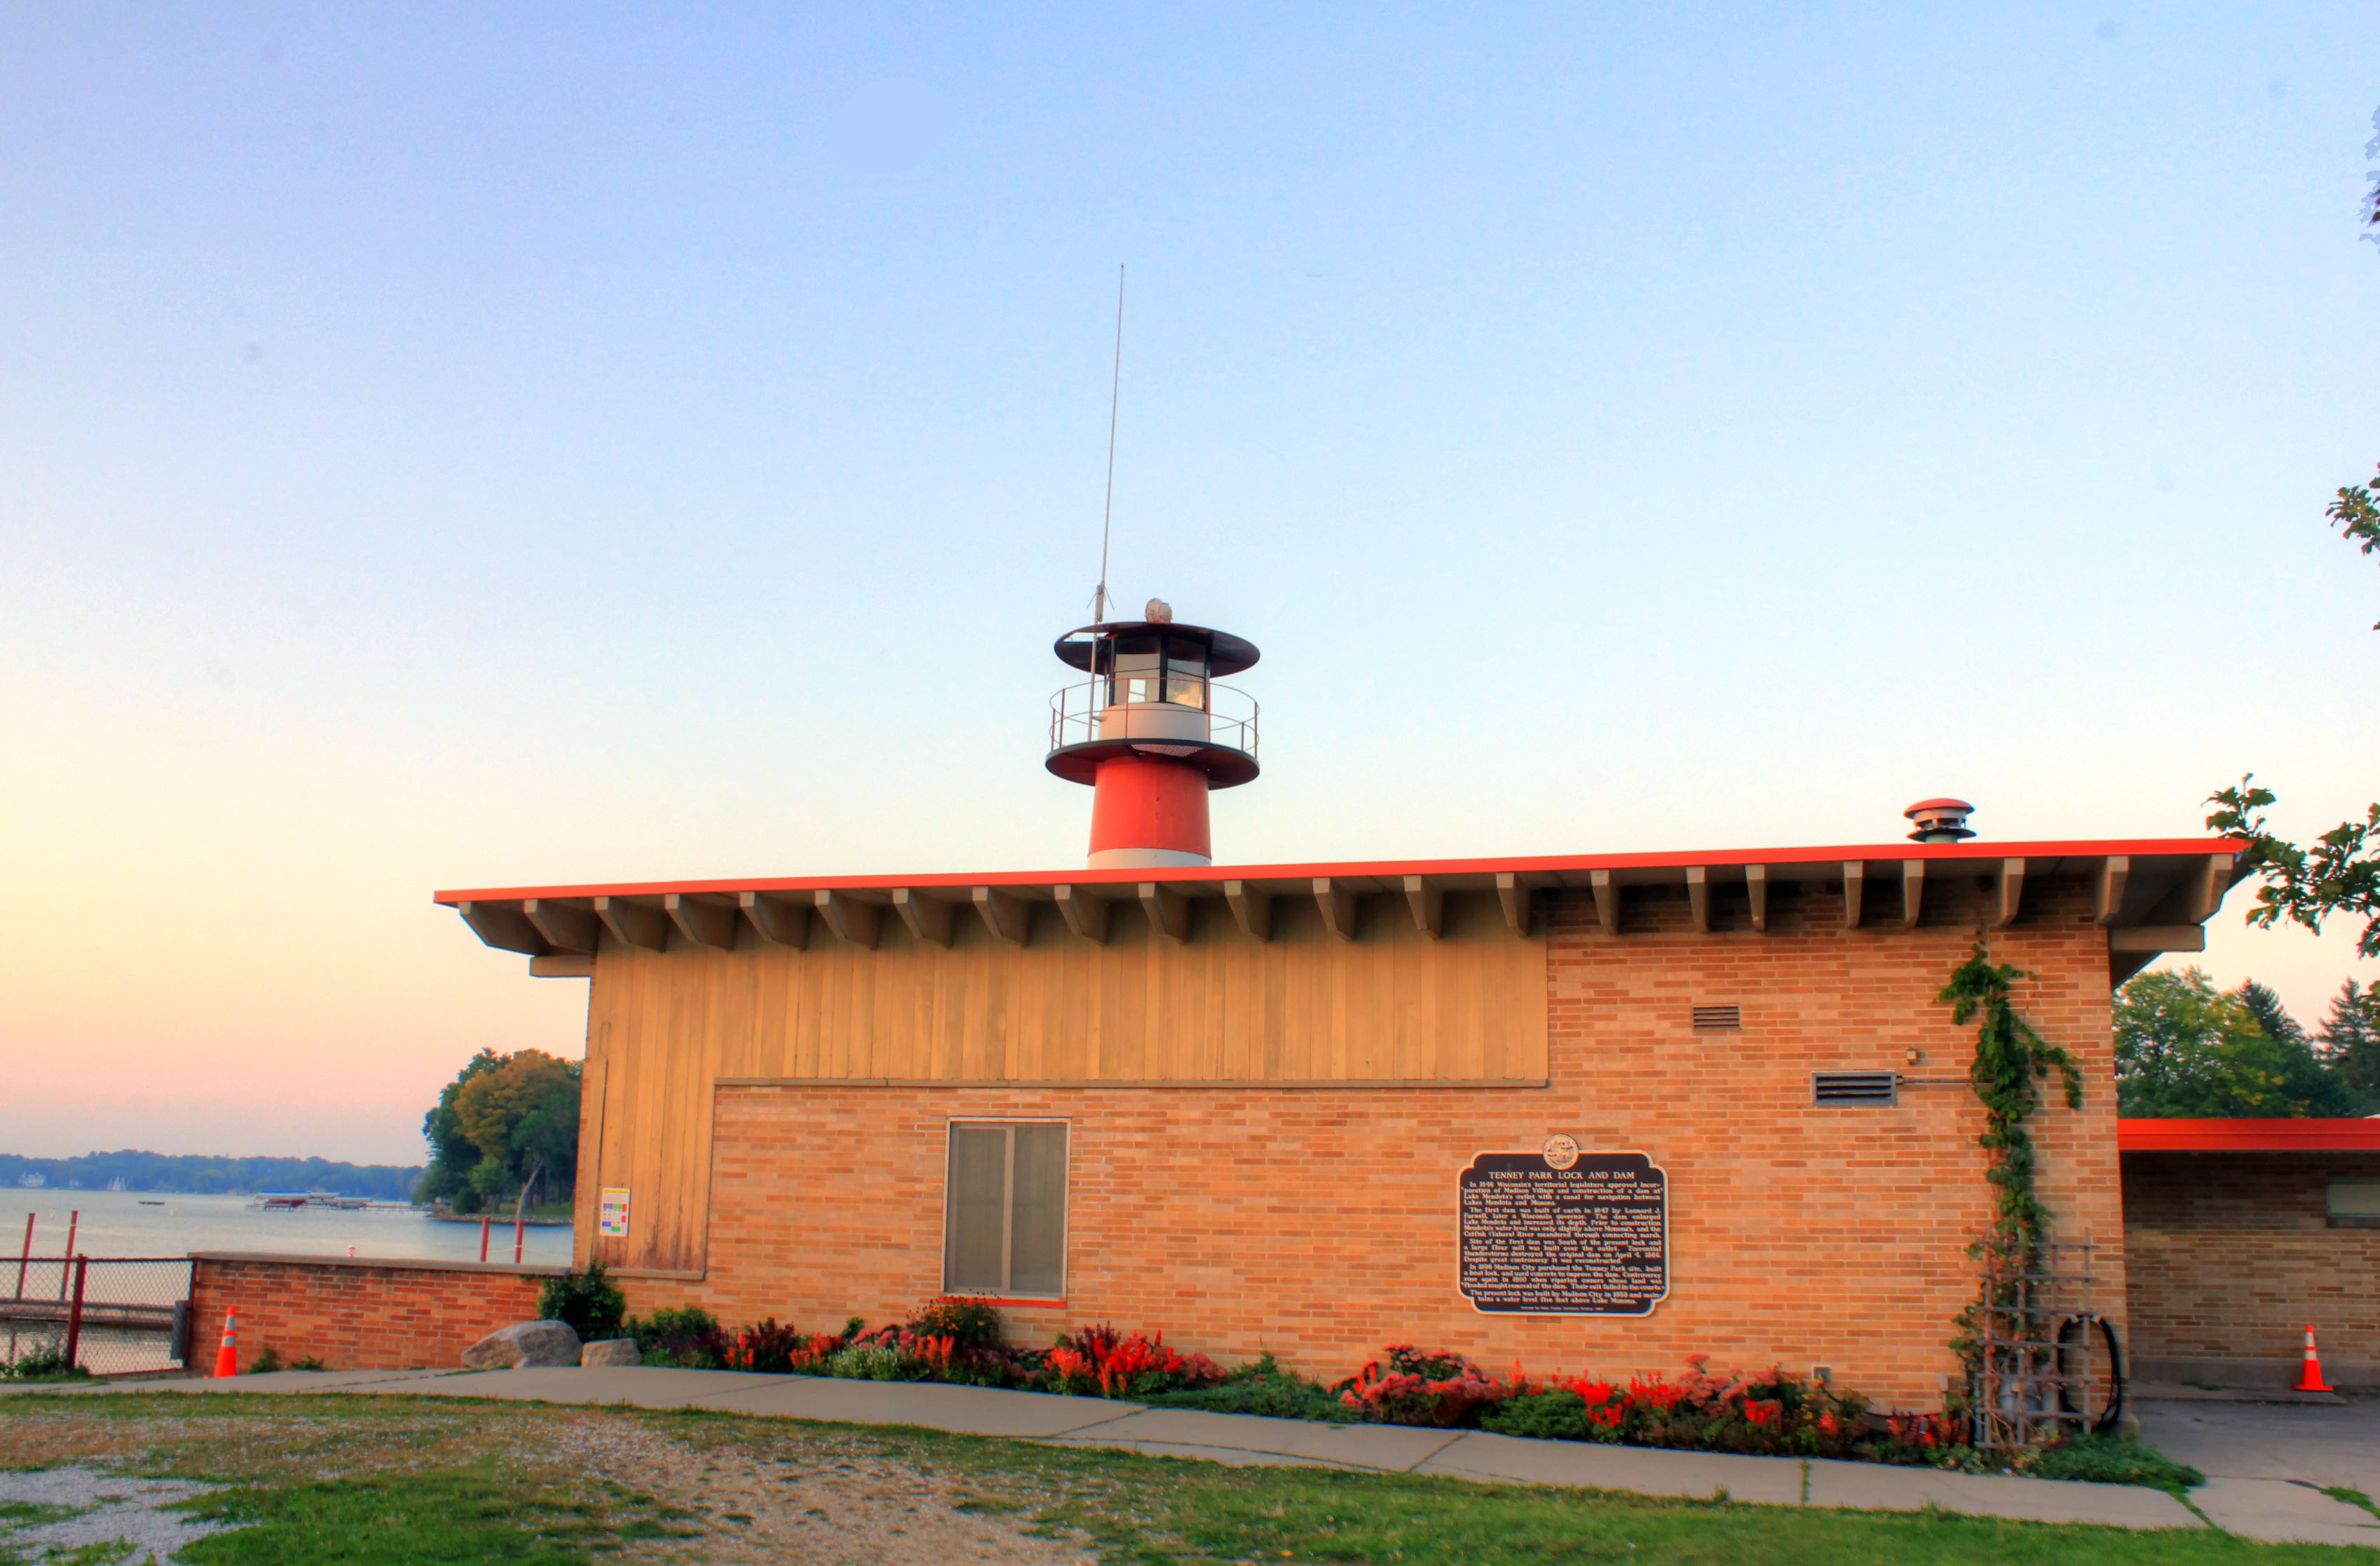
(1107, 513)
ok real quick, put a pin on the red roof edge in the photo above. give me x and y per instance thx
(2305, 1135)
(1523, 864)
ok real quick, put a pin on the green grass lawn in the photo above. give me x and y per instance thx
(372, 1480)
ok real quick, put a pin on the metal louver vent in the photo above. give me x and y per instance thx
(1718, 1019)
(1853, 1089)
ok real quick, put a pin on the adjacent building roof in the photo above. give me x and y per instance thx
(2154, 894)
(2303, 1136)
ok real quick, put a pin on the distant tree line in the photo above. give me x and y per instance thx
(211, 1174)
(505, 1123)
(2185, 1049)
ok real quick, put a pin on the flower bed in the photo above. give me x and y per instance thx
(1769, 1412)
(954, 1341)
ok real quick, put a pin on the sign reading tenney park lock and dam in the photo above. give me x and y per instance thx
(1564, 1232)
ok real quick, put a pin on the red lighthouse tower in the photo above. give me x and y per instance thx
(1153, 733)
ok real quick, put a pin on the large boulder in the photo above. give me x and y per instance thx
(610, 1351)
(523, 1345)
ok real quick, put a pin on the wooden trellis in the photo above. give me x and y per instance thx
(2039, 1370)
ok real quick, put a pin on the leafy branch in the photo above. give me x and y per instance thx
(2358, 515)
(2339, 874)
(2339, 871)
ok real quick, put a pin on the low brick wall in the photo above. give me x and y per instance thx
(2231, 1255)
(355, 1315)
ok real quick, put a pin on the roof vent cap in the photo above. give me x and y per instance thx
(1939, 820)
(1159, 612)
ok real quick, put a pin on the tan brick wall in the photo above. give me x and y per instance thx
(2232, 1255)
(354, 1316)
(1320, 1223)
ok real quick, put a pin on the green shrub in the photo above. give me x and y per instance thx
(267, 1361)
(1261, 1386)
(869, 1362)
(684, 1336)
(591, 1303)
(1283, 1397)
(2113, 1459)
(971, 1324)
(1545, 1416)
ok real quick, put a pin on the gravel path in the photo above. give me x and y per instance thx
(105, 1509)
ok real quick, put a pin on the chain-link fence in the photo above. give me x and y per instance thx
(109, 1314)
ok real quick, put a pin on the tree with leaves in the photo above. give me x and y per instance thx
(453, 1155)
(2272, 1016)
(2185, 1049)
(2349, 1042)
(504, 1122)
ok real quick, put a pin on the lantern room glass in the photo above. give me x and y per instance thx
(1146, 669)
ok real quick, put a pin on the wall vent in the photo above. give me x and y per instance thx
(1851, 1089)
(1718, 1019)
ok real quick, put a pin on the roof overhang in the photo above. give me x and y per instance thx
(2151, 895)
(2304, 1136)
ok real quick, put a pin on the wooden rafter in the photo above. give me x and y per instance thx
(779, 923)
(929, 918)
(1337, 901)
(1517, 900)
(1007, 916)
(2011, 893)
(704, 924)
(566, 925)
(1168, 910)
(855, 921)
(1429, 905)
(634, 924)
(1085, 914)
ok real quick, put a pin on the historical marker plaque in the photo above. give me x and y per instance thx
(1543, 1237)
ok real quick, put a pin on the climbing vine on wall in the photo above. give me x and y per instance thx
(2010, 1058)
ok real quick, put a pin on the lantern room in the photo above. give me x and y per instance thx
(1153, 731)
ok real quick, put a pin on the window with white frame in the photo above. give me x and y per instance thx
(1004, 1209)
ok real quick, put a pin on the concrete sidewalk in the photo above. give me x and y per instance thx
(1246, 1439)
(2267, 1463)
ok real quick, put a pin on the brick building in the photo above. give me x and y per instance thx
(2241, 1233)
(1593, 1111)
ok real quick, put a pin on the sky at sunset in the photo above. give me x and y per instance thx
(454, 445)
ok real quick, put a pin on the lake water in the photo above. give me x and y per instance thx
(116, 1223)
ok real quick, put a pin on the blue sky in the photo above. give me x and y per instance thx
(462, 445)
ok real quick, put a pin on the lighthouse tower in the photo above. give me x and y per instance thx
(1152, 732)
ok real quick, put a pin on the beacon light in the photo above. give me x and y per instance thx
(1152, 732)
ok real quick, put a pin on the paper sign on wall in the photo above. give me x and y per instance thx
(612, 1218)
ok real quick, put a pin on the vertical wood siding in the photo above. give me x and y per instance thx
(1393, 1006)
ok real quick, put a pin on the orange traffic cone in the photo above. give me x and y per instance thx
(2312, 1380)
(227, 1356)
